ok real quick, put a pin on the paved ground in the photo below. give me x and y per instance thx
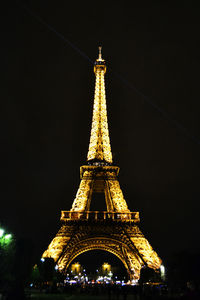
(78, 297)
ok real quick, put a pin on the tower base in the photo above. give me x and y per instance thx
(123, 239)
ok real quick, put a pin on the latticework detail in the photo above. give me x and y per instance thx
(114, 230)
(99, 147)
(81, 200)
(117, 197)
(126, 242)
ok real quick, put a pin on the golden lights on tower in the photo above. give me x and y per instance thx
(115, 230)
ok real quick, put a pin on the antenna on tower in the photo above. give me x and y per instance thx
(100, 58)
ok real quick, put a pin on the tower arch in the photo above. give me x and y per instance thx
(100, 243)
(98, 262)
(106, 249)
(122, 250)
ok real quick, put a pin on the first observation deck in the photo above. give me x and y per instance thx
(100, 216)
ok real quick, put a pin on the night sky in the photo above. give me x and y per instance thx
(47, 97)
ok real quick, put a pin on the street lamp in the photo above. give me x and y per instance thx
(76, 268)
(106, 268)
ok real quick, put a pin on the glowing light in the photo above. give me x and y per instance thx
(105, 265)
(1, 232)
(76, 267)
(42, 259)
(162, 269)
(8, 236)
(162, 272)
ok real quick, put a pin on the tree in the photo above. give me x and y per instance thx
(7, 253)
(45, 273)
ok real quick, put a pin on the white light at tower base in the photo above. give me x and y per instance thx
(162, 272)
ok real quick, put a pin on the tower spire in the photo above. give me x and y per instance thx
(100, 58)
(99, 146)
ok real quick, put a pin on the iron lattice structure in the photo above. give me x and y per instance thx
(114, 230)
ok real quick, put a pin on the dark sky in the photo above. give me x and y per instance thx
(47, 97)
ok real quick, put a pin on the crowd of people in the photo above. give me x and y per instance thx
(127, 292)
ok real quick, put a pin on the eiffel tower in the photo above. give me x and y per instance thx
(114, 230)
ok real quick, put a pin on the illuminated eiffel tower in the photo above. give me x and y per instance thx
(114, 230)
